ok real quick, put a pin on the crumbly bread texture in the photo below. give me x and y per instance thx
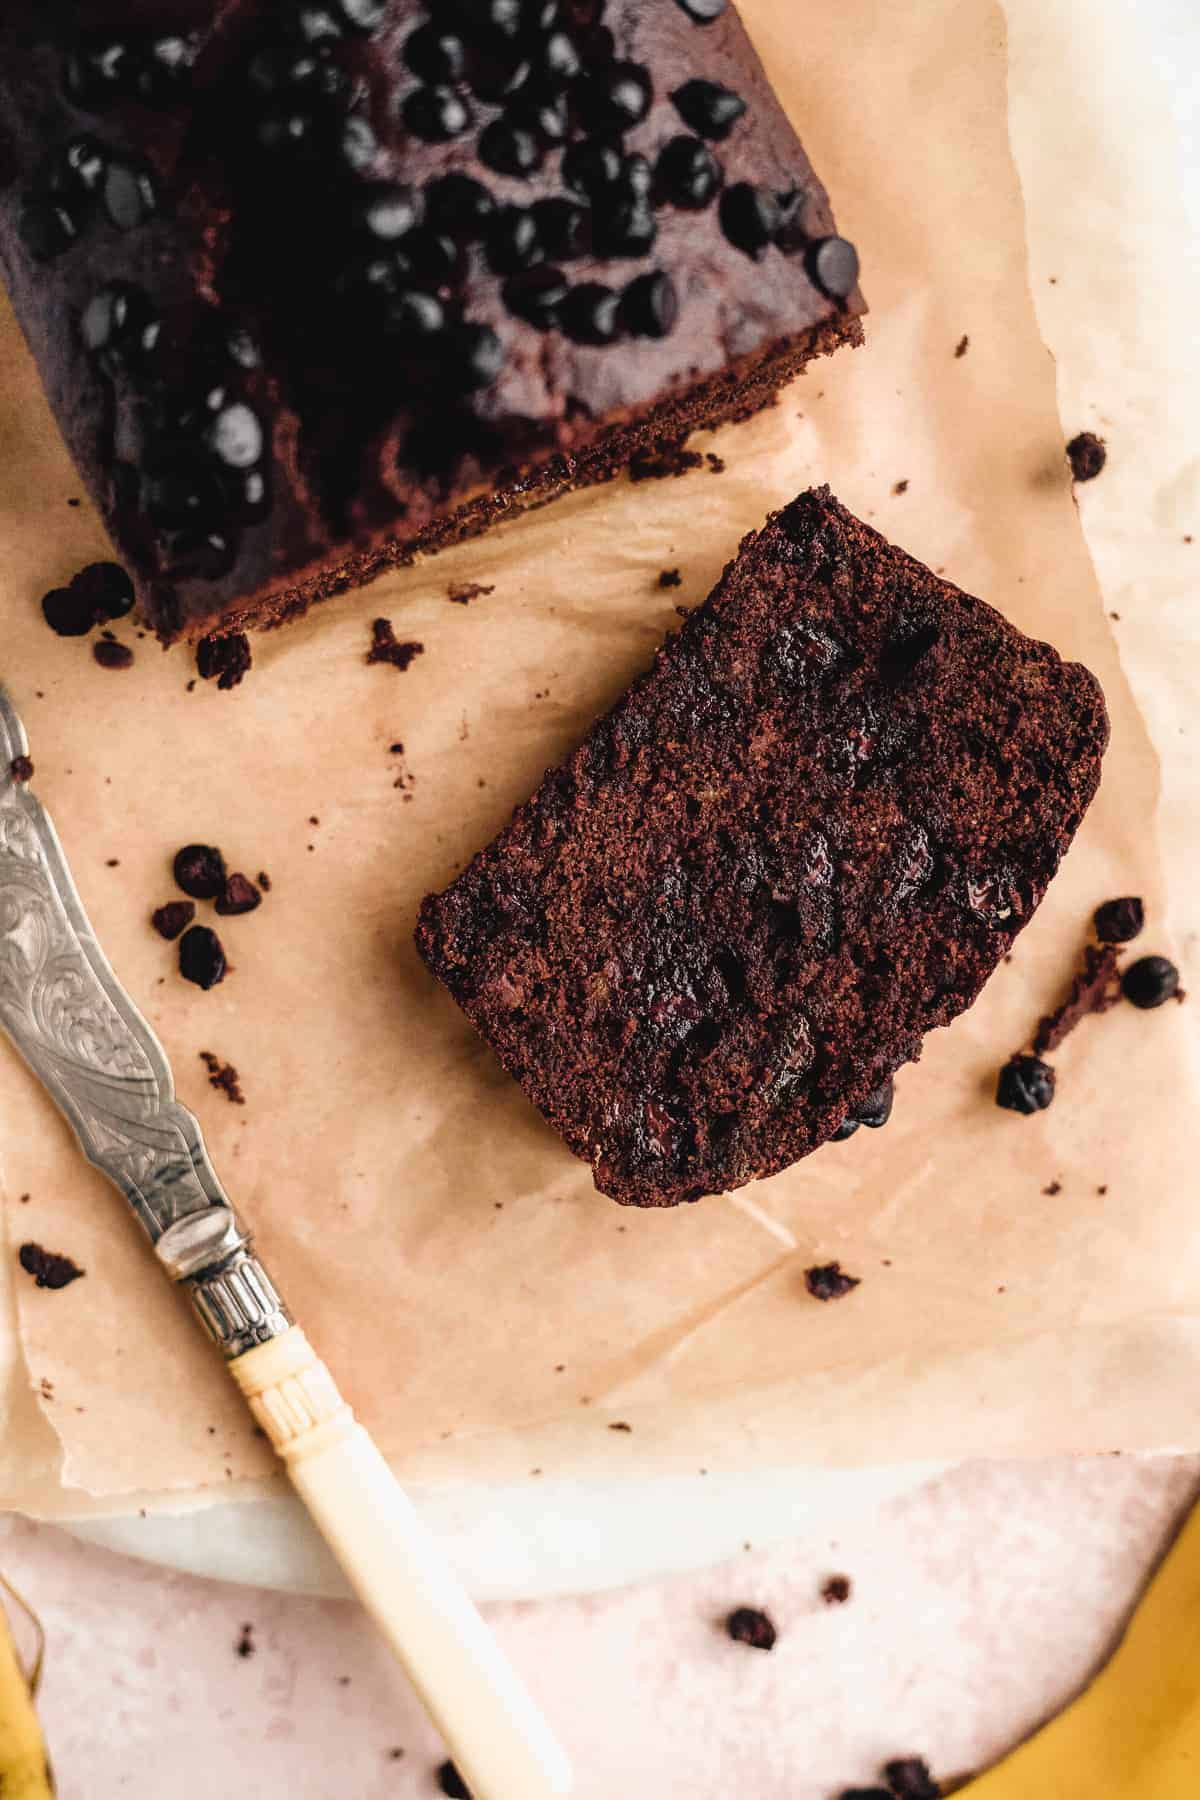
(805, 837)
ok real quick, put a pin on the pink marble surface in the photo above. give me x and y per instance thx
(979, 1605)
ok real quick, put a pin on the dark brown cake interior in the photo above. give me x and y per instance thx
(802, 840)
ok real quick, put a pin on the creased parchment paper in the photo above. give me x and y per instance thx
(487, 1313)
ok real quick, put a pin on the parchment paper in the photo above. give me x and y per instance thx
(487, 1313)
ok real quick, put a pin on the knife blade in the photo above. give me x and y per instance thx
(98, 1059)
(76, 1027)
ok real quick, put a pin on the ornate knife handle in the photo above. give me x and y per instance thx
(84, 1039)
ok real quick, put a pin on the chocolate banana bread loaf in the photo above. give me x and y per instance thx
(313, 287)
(805, 837)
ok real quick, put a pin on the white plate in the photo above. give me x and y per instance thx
(522, 1542)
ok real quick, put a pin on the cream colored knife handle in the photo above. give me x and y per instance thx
(500, 1742)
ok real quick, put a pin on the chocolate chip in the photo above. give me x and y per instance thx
(750, 217)
(909, 1779)
(1150, 982)
(1026, 1085)
(616, 99)
(199, 870)
(710, 109)
(438, 57)
(452, 1783)
(625, 226)
(1087, 455)
(48, 225)
(119, 326)
(474, 356)
(749, 1625)
(591, 314)
(20, 769)
(130, 194)
(558, 58)
(173, 918)
(703, 11)
(509, 148)
(68, 612)
(563, 228)
(537, 297)
(829, 1281)
(384, 211)
(590, 167)
(689, 175)
(413, 314)
(201, 957)
(459, 206)
(876, 1109)
(514, 243)
(97, 73)
(362, 15)
(49, 1269)
(436, 114)
(111, 655)
(224, 660)
(240, 896)
(544, 113)
(833, 265)
(1118, 921)
(235, 436)
(106, 588)
(650, 305)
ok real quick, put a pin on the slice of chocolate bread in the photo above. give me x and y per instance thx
(806, 836)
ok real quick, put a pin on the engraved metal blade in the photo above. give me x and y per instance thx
(86, 1041)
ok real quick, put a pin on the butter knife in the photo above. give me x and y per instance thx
(80, 1033)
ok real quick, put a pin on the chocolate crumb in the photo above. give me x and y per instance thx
(72, 501)
(396, 1753)
(173, 918)
(25, 1199)
(48, 1268)
(21, 769)
(962, 346)
(1052, 1188)
(202, 957)
(909, 1779)
(1151, 982)
(901, 487)
(112, 862)
(199, 870)
(1025, 1085)
(466, 592)
(245, 1645)
(224, 660)
(67, 612)
(663, 463)
(1118, 921)
(1103, 1189)
(191, 686)
(1094, 989)
(670, 578)
(716, 463)
(619, 1425)
(240, 896)
(748, 1625)
(111, 655)
(106, 589)
(836, 1590)
(385, 649)
(1087, 455)
(829, 1281)
(452, 1783)
(223, 1077)
(264, 881)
